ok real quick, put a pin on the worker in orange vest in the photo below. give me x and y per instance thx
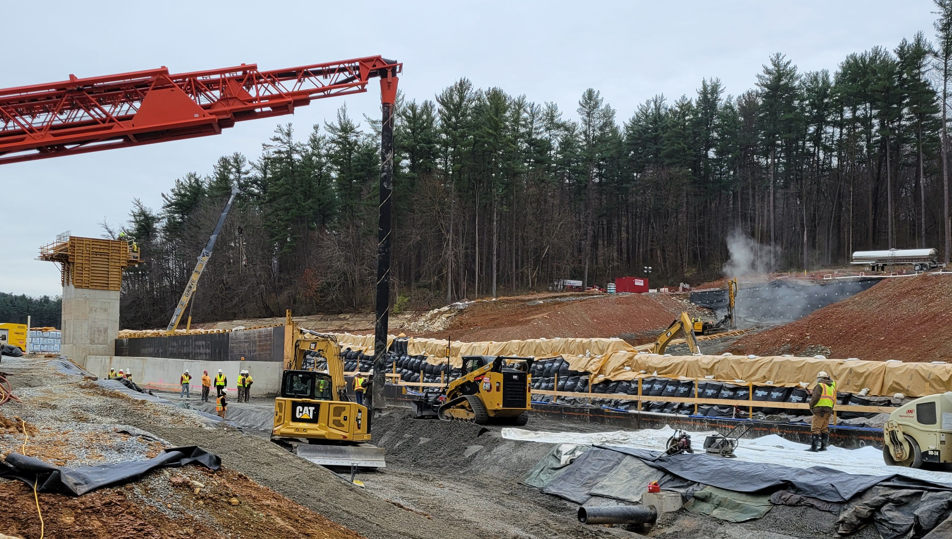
(206, 386)
(221, 405)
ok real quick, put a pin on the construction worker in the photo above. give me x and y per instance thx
(369, 391)
(186, 381)
(120, 375)
(241, 385)
(323, 389)
(821, 405)
(206, 386)
(248, 382)
(220, 382)
(111, 375)
(221, 405)
(359, 387)
(128, 375)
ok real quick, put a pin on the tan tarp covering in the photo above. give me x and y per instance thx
(614, 359)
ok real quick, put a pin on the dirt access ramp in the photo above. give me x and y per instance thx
(905, 318)
(629, 316)
(76, 423)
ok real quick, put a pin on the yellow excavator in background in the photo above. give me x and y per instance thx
(490, 389)
(313, 415)
(724, 324)
(681, 326)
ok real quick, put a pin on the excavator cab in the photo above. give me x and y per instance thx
(313, 415)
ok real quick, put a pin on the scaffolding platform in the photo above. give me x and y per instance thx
(91, 263)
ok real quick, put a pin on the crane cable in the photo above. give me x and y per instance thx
(36, 496)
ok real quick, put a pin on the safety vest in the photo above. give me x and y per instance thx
(129, 376)
(112, 375)
(241, 381)
(206, 381)
(248, 381)
(186, 379)
(828, 397)
(218, 405)
(219, 379)
(359, 383)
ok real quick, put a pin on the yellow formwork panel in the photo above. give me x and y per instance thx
(91, 262)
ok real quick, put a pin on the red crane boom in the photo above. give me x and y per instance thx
(145, 107)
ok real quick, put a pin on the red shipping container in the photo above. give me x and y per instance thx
(636, 285)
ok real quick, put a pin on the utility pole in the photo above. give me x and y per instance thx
(388, 95)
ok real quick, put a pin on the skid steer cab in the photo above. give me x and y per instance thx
(919, 432)
(490, 389)
(307, 409)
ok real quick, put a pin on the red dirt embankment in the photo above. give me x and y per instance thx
(629, 316)
(904, 318)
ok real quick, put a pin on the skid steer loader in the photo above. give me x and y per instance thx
(313, 416)
(919, 432)
(490, 389)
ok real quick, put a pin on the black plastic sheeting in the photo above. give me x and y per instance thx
(79, 481)
(10, 350)
(817, 482)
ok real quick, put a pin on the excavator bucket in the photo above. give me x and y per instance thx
(361, 456)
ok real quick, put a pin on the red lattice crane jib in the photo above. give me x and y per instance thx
(145, 107)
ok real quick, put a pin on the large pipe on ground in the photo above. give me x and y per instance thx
(629, 514)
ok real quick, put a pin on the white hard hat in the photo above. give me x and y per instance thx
(120, 370)
(822, 374)
(219, 370)
(186, 371)
(224, 390)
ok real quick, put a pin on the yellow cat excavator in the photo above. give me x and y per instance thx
(313, 415)
(681, 326)
(490, 389)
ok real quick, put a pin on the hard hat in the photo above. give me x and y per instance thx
(224, 391)
(822, 374)
(186, 371)
(120, 370)
(219, 370)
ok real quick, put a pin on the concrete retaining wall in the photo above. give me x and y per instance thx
(164, 373)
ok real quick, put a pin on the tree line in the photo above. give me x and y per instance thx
(44, 311)
(496, 194)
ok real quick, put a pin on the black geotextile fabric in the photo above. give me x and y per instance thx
(79, 481)
(732, 474)
(576, 481)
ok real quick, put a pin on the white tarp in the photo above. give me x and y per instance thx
(771, 449)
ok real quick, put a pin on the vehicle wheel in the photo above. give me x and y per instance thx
(479, 410)
(521, 419)
(915, 455)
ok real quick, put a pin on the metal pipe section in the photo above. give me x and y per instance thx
(627, 514)
(378, 401)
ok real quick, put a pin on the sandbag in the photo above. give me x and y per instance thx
(742, 393)
(685, 389)
(728, 392)
(657, 387)
(671, 389)
(622, 388)
(704, 409)
(711, 390)
(611, 387)
(721, 411)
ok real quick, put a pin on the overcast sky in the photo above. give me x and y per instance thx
(548, 50)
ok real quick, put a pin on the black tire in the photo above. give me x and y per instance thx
(479, 410)
(521, 420)
(913, 461)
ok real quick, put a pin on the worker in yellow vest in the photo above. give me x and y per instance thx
(248, 382)
(241, 385)
(111, 375)
(128, 375)
(221, 405)
(186, 381)
(220, 382)
(359, 387)
(821, 405)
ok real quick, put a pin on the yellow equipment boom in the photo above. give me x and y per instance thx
(681, 325)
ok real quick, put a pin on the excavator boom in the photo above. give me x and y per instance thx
(681, 325)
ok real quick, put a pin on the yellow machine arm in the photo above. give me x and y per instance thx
(199, 268)
(681, 325)
(306, 341)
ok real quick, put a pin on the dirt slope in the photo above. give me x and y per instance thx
(904, 318)
(629, 316)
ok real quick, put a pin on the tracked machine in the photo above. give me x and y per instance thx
(313, 416)
(724, 324)
(490, 389)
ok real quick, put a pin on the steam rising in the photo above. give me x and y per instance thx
(747, 257)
